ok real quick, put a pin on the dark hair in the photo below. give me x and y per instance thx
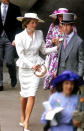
(56, 21)
(25, 21)
(75, 90)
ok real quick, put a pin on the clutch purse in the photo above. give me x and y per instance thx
(43, 71)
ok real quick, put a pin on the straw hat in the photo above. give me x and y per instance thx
(30, 15)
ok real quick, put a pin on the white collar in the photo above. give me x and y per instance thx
(29, 35)
(70, 35)
(2, 4)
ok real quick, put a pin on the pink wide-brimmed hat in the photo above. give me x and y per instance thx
(62, 11)
(57, 12)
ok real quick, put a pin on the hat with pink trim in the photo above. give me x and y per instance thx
(57, 12)
(62, 11)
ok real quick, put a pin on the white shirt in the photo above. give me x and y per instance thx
(2, 7)
(69, 36)
(28, 49)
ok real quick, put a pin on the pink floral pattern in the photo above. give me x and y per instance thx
(53, 32)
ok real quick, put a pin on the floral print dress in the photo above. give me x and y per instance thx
(53, 32)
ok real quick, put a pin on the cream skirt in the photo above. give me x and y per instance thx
(29, 82)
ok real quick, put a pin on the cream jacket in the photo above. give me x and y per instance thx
(28, 49)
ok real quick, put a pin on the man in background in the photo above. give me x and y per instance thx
(9, 27)
(71, 50)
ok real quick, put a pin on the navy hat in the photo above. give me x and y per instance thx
(68, 18)
(67, 75)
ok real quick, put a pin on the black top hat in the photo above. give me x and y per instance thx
(68, 18)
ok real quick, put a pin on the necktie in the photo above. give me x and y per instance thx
(4, 14)
(65, 42)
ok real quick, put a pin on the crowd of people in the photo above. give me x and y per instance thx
(64, 51)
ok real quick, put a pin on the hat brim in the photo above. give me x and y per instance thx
(67, 75)
(60, 13)
(54, 16)
(21, 19)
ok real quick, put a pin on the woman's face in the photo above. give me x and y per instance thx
(68, 87)
(60, 17)
(32, 25)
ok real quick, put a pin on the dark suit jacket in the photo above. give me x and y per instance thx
(11, 26)
(74, 58)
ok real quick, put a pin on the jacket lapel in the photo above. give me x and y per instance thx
(60, 48)
(8, 12)
(70, 46)
(28, 39)
(0, 9)
(59, 53)
(0, 13)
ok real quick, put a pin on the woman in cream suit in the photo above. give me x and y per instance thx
(28, 44)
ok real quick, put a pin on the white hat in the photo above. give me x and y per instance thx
(30, 15)
(62, 11)
(57, 12)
